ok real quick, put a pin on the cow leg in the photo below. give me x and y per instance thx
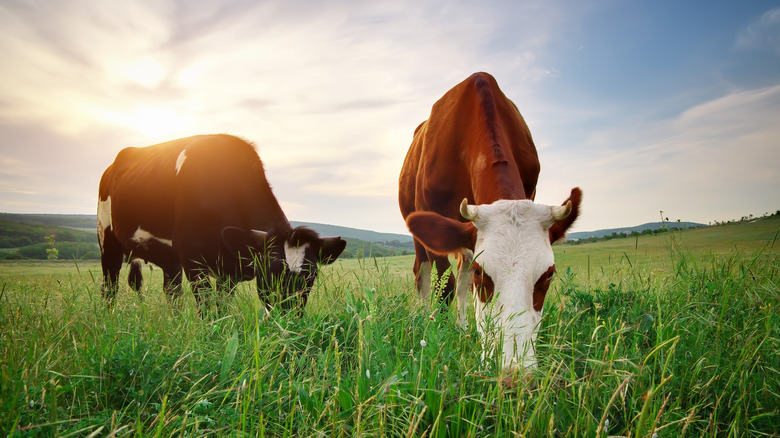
(199, 283)
(422, 271)
(135, 277)
(111, 258)
(172, 284)
(465, 280)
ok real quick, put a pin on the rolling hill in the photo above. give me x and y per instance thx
(87, 222)
(628, 230)
(24, 236)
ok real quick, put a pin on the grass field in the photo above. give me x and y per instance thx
(670, 335)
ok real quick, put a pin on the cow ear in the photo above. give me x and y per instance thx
(240, 242)
(558, 229)
(332, 247)
(440, 234)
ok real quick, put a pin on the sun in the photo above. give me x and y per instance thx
(144, 71)
(155, 122)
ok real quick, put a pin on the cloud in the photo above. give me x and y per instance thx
(330, 94)
(715, 160)
(762, 34)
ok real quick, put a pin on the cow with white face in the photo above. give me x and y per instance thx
(467, 189)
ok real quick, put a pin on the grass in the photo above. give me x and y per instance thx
(680, 341)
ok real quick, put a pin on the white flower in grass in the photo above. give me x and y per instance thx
(368, 373)
(606, 425)
(423, 343)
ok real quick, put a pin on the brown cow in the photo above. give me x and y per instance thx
(476, 147)
(204, 205)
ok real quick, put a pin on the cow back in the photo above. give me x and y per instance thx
(474, 145)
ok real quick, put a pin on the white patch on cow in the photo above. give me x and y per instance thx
(142, 237)
(295, 256)
(180, 161)
(513, 247)
(103, 219)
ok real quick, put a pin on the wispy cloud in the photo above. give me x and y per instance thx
(718, 156)
(331, 94)
(763, 33)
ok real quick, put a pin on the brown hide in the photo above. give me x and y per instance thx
(475, 145)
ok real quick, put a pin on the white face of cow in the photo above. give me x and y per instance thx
(285, 264)
(513, 248)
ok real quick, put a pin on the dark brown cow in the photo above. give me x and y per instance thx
(203, 204)
(467, 188)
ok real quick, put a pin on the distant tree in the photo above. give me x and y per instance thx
(51, 252)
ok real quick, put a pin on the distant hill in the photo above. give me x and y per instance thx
(355, 233)
(628, 230)
(78, 221)
(20, 240)
(24, 236)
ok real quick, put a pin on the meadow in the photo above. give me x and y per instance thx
(657, 336)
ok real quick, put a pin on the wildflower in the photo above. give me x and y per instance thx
(368, 373)
(423, 343)
(606, 425)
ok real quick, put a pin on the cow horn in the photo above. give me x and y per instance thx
(561, 212)
(468, 212)
(259, 236)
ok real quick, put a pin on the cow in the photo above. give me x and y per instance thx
(467, 189)
(203, 205)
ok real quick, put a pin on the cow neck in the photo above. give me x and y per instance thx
(494, 171)
(496, 182)
(267, 214)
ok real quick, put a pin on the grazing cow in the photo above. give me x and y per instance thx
(476, 147)
(203, 204)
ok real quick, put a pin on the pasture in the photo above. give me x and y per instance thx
(669, 335)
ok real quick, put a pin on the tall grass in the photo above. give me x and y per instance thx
(690, 351)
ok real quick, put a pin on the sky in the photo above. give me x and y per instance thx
(648, 106)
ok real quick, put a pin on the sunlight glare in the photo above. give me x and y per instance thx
(144, 72)
(155, 122)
